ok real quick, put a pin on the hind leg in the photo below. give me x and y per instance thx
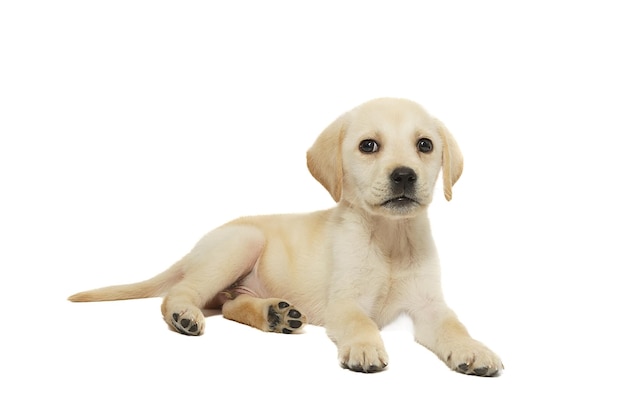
(267, 314)
(217, 261)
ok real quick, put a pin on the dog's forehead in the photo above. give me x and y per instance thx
(394, 117)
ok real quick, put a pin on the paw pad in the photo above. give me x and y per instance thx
(282, 318)
(185, 325)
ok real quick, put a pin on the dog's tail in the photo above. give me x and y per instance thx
(152, 287)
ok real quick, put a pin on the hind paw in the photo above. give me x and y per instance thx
(188, 323)
(283, 318)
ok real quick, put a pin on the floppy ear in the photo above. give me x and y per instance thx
(324, 157)
(452, 161)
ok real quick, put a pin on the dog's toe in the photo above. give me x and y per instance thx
(484, 371)
(282, 317)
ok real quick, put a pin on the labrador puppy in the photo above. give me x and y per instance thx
(353, 268)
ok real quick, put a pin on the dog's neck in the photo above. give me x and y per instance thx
(391, 234)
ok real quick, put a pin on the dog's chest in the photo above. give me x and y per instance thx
(384, 273)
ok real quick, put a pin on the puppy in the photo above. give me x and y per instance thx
(353, 268)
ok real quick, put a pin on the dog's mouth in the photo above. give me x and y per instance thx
(402, 202)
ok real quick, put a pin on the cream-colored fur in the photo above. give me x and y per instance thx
(353, 268)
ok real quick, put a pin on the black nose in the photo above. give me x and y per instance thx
(403, 179)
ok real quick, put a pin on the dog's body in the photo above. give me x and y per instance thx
(353, 268)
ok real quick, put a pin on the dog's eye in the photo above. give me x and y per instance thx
(425, 145)
(368, 146)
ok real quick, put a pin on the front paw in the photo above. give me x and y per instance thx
(362, 357)
(473, 358)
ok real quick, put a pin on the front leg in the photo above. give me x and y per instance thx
(357, 337)
(438, 328)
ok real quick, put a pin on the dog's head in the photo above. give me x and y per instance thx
(385, 156)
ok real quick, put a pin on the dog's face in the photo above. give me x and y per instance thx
(384, 156)
(391, 154)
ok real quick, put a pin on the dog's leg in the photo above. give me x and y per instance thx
(357, 337)
(218, 260)
(438, 328)
(267, 314)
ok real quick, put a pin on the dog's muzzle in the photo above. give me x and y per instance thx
(403, 183)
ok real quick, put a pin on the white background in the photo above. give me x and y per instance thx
(129, 129)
